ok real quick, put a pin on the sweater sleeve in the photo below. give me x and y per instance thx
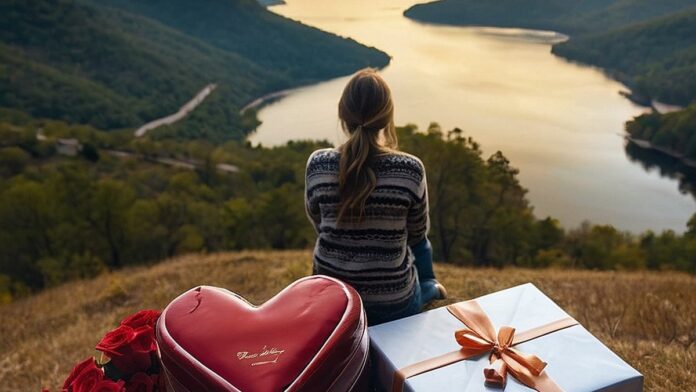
(311, 204)
(418, 219)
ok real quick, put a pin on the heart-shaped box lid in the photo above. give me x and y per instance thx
(302, 339)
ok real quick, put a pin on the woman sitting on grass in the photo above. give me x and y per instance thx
(369, 204)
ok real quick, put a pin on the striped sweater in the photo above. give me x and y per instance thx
(373, 255)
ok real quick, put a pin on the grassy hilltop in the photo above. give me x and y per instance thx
(649, 319)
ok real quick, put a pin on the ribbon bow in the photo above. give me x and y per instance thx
(478, 338)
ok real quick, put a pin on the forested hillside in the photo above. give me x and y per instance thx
(674, 131)
(91, 64)
(567, 16)
(291, 49)
(657, 58)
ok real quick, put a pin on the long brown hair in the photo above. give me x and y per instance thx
(365, 110)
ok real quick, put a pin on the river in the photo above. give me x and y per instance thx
(560, 123)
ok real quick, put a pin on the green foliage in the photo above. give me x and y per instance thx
(87, 63)
(551, 258)
(66, 218)
(601, 247)
(669, 250)
(12, 161)
(90, 152)
(479, 213)
(675, 131)
(249, 121)
(5, 290)
(269, 40)
(569, 16)
(74, 266)
(110, 69)
(657, 58)
(691, 225)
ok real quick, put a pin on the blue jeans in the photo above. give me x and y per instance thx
(423, 259)
(425, 290)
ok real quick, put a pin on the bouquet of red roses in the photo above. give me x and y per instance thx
(128, 363)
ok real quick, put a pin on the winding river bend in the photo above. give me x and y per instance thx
(560, 123)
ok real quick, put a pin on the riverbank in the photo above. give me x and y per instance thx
(258, 103)
(645, 144)
(647, 102)
(270, 3)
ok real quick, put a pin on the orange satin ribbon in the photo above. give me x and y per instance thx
(478, 338)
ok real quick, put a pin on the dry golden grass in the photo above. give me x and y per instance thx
(649, 319)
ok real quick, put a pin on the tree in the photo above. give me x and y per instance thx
(454, 173)
(505, 215)
(108, 216)
(691, 226)
(89, 152)
(27, 222)
(280, 215)
(548, 233)
(12, 161)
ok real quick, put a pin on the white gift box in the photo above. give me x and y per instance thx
(577, 361)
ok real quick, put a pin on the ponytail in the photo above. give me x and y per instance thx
(356, 178)
(365, 109)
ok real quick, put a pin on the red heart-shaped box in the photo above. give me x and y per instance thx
(312, 336)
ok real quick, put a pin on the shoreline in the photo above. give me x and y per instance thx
(664, 108)
(646, 102)
(647, 145)
(265, 99)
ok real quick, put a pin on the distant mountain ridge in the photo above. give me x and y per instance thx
(111, 66)
(567, 16)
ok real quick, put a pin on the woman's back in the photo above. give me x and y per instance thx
(372, 253)
(369, 205)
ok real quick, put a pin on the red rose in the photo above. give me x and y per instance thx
(130, 349)
(141, 382)
(79, 368)
(86, 381)
(109, 386)
(143, 317)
